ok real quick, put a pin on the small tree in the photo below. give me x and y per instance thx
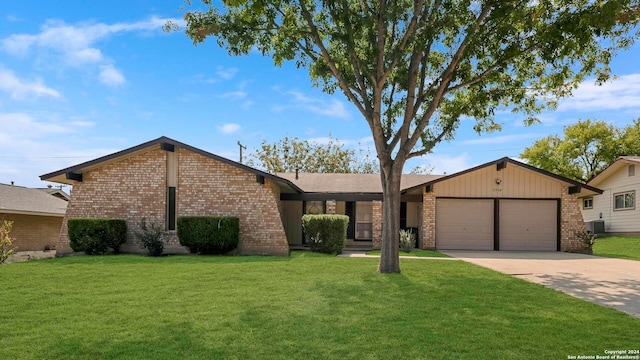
(151, 237)
(6, 242)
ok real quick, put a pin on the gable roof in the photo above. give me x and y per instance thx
(63, 176)
(29, 201)
(55, 192)
(620, 162)
(583, 188)
(350, 183)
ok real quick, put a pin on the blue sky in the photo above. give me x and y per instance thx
(80, 80)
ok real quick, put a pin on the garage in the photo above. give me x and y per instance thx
(528, 225)
(464, 224)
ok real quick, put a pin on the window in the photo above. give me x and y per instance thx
(587, 203)
(171, 208)
(632, 170)
(315, 207)
(364, 220)
(624, 201)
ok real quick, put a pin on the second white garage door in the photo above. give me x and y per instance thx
(528, 225)
(464, 224)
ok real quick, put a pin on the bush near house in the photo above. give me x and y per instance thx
(6, 242)
(96, 236)
(151, 237)
(209, 234)
(327, 233)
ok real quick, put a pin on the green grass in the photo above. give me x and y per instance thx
(416, 252)
(308, 306)
(618, 247)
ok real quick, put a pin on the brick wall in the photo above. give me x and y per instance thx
(570, 223)
(210, 187)
(331, 207)
(136, 187)
(129, 189)
(33, 232)
(376, 224)
(428, 220)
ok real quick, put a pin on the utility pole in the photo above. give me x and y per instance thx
(241, 147)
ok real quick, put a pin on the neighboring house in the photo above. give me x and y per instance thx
(501, 205)
(56, 192)
(36, 216)
(617, 206)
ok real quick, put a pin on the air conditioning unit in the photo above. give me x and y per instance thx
(595, 226)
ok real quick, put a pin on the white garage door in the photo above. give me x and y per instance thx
(528, 225)
(464, 224)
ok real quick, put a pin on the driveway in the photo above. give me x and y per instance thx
(606, 281)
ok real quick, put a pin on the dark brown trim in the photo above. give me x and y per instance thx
(574, 189)
(496, 224)
(559, 227)
(330, 196)
(73, 176)
(489, 198)
(506, 160)
(165, 142)
(167, 147)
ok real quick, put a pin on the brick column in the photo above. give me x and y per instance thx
(331, 207)
(571, 222)
(377, 224)
(428, 220)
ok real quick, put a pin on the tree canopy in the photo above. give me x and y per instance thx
(586, 148)
(414, 69)
(291, 154)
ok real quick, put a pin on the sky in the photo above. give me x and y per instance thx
(83, 79)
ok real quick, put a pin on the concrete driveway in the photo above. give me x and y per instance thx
(606, 281)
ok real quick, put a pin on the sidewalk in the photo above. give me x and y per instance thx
(363, 254)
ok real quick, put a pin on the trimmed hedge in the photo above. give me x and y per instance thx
(209, 234)
(96, 236)
(326, 233)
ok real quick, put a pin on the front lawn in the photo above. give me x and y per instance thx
(618, 247)
(308, 306)
(416, 252)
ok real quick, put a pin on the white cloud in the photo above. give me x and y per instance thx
(20, 89)
(621, 93)
(226, 73)
(74, 45)
(332, 108)
(234, 95)
(229, 128)
(109, 75)
(445, 164)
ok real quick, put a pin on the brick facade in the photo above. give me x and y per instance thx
(130, 189)
(331, 207)
(428, 221)
(135, 187)
(376, 218)
(571, 223)
(210, 187)
(33, 232)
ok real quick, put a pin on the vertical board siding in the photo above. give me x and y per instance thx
(516, 182)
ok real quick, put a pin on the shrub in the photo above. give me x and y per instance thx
(588, 239)
(327, 233)
(151, 237)
(209, 234)
(6, 242)
(96, 236)
(407, 240)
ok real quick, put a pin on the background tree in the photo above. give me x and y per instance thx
(413, 69)
(289, 154)
(586, 149)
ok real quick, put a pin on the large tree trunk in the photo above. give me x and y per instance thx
(389, 257)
